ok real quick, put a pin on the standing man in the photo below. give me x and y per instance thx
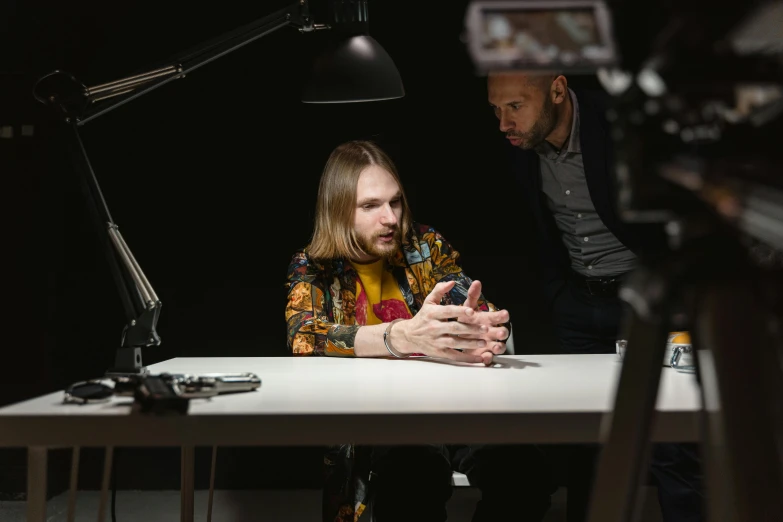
(562, 160)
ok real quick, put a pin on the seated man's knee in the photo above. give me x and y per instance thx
(503, 468)
(410, 483)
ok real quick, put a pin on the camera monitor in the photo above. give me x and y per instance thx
(559, 35)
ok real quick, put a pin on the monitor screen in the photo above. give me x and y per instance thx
(558, 35)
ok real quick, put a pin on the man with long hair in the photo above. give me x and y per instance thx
(369, 269)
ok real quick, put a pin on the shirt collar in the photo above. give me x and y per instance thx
(573, 141)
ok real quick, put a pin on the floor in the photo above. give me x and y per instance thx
(253, 506)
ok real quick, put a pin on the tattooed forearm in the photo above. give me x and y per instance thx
(341, 339)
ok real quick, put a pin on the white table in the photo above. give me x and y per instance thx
(319, 401)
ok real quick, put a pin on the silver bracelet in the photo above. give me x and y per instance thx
(387, 341)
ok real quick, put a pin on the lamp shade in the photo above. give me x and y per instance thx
(357, 69)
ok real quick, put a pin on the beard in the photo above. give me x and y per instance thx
(542, 127)
(372, 247)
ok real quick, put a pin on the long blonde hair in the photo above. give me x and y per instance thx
(334, 236)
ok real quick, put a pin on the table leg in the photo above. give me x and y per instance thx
(211, 483)
(105, 483)
(74, 486)
(37, 463)
(187, 483)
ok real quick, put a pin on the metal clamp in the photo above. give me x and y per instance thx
(677, 355)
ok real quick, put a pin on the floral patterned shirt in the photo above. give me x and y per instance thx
(320, 312)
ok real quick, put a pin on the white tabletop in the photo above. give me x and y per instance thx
(324, 400)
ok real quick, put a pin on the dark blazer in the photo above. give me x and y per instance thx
(598, 158)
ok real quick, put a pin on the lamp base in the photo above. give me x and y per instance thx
(127, 362)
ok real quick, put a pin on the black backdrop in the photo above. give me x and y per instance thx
(212, 180)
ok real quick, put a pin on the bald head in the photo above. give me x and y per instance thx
(541, 81)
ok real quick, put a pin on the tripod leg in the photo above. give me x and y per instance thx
(621, 466)
(740, 371)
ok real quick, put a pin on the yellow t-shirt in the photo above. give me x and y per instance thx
(378, 296)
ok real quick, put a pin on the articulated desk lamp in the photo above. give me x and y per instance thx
(354, 69)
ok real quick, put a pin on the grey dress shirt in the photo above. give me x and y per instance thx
(593, 249)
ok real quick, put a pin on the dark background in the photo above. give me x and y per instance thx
(212, 180)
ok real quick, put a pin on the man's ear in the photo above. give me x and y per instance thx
(559, 89)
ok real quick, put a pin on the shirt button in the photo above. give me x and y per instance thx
(587, 239)
(579, 216)
(590, 267)
(568, 192)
